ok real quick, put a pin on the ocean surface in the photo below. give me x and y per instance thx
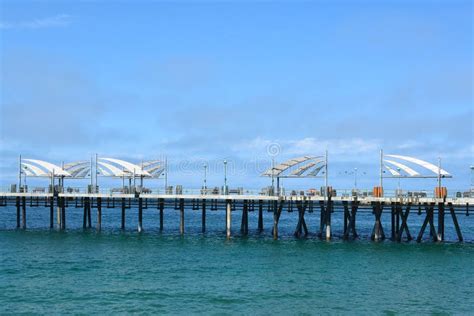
(45, 271)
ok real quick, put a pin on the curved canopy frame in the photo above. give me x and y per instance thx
(435, 171)
(431, 167)
(130, 167)
(408, 170)
(46, 168)
(286, 169)
(392, 171)
(32, 171)
(78, 169)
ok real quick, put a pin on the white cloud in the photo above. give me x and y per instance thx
(59, 20)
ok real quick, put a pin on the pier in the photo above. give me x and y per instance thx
(434, 206)
(435, 212)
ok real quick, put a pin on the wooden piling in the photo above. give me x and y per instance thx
(23, 212)
(203, 216)
(398, 210)
(17, 212)
(228, 211)
(404, 225)
(162, 207)
(377, 232)
(428, 220)
(63, 213)
(455, 222)
(244, 226)
(140, 215)
(278, 207)
(181, 216)
(352, 222)
(89, 216)
(84, 215)
(51, 212)
(326, 208)
(99, 213)
(122, 223)
(346, 216)
(329, 210)
(260, 216)
(441, 221)
(301, 226)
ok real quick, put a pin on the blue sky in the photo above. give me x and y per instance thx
(203, 81)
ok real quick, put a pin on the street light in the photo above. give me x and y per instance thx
(399, 176)
(355, 178)
(225, 177)
(472, 177)
(205, 176)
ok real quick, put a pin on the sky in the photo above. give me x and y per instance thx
(200, 82)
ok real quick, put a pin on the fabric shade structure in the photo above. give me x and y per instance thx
(112, 167)
(41, 168)
(107, 167)
(300, 167)
(78, 169)
(397, 166)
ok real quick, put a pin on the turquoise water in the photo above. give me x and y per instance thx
(44, 271)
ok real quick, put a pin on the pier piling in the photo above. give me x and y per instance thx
(84, 215)
(429, 208)
(277, 208)
(244, 226)
(140, 215)
(404, 225)
(455, 222)
(203, 216)
(228, 211)
(122, 226)
(17, 212)
(99, 213)
(181, 216)
(441, 221)
(51, 212)
(377, 232)
(23, 212)
(260, 216)
(162, 207)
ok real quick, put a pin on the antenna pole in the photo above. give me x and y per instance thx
(326, 176)
(439, 173)
(381, 168)
(166, 173)
(96, 188)
(273, 176)
(92, 184)
(19, 174)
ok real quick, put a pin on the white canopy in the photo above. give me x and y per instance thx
(40, 168)
(431, 167)
(280, 169)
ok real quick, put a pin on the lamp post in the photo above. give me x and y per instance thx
(225, 177)
(399, 176)
(273, 176)
(355, 178)
(472, 177)
(205, 177)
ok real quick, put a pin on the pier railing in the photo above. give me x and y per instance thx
(343, 193)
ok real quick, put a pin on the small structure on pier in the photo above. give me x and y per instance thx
(106, 167)
(300, 167)
(397, 166)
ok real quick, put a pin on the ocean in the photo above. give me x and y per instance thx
(109, 272)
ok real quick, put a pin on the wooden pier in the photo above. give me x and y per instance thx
(348, 208)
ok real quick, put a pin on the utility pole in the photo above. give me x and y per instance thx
(19, 175)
